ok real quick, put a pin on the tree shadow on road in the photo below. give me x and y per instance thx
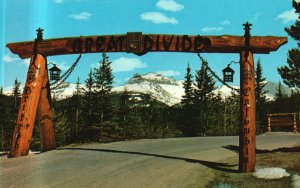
(225, 167)
(261, 151)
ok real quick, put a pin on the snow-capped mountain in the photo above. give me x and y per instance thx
(161, 88)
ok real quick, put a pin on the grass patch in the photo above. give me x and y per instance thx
(288, 160)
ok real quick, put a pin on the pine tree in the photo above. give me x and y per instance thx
(124, 110)
(3, 122)
(291, 73)
(280, 103)
(205, 84)
(16, 94)
(187, 98)
(75, 115)
(103, 84)
(260, 97)
(202, 98)
(88, 107)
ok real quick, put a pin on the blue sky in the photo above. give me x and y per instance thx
(66, 18)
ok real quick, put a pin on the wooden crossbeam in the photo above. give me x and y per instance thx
(142, 44)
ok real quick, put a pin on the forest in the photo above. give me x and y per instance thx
(94, 114)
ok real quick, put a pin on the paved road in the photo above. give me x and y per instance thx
(175, 162)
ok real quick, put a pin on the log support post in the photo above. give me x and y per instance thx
(35, 94)
(247, 107)
(269, 124)
(46, 125)
(295, 122)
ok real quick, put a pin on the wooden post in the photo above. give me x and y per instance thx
(295, 123)
(247, 112)
(269, 123)
(47, 130)
(28, 107)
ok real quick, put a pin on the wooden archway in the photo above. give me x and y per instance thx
(36, 98)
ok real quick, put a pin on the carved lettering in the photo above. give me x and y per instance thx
(186, 43)
(112, 44)
(27, 90)
(99, 43)
(246, 130)
(88, 44)
(177, 43)
(157, 42)
(167, 43)
(121, 40)
(118, 43)
(246, 141)
(148, 43)
(246, 91)
(77, 46)
(200, 43)
(246, 122)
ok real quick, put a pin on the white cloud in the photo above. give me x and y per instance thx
(26, 61)
(209, 29)
(62, 66)
(169, 73)
(169, 5)
(124, 64)
(81, 16)
(287, 16)
(158, 18)
(225, 22)
(58, 1)
(8, 59)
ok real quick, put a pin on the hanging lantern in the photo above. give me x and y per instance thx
(54, 72)
(228, 74)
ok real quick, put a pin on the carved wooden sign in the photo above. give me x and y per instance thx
(140, 44)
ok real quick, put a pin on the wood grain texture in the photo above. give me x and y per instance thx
(247, 143)
(47, 129)
(149, 43)
(28, 107)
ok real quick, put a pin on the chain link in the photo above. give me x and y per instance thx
(215, 75)
(57, 83)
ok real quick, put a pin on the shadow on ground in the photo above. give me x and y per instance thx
(261, 151)
(225, 167)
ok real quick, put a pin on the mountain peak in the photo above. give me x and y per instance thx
(155, 78)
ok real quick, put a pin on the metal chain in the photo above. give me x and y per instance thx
(215, 75)
(57, 83)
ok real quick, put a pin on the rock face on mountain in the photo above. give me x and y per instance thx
(163, 89)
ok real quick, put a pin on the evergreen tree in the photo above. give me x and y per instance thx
(188, 127)
(280, 103)
(260, 97)
(202, 98)
(88, 107)
(74, 113)
(205, 84)
(187, 98)
(5, 136)
(103, 84)
(16, 94)
(124, 110)
(291, 73)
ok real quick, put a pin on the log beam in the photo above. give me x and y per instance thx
(148, 43)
